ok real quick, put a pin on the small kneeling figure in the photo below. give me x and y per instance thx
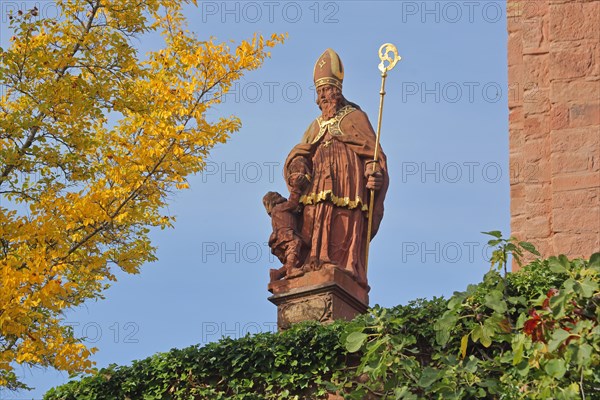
(285, 243)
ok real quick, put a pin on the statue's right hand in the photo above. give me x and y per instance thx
(371, 167)
(298, 180)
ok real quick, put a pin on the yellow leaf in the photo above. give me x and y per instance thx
(463, 345)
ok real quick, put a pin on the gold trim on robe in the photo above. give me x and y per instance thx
(314, 198)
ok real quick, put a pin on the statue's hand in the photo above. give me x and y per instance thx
(374, 177)
(371, 167)
(298, 180)
(375, 181)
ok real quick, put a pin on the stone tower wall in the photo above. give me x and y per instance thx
(554, 123)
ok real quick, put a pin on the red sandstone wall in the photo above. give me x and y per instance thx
(554, 123)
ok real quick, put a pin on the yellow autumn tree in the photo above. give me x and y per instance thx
(93, 138)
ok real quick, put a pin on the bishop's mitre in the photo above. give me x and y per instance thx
(329, 70)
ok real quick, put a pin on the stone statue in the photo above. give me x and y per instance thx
(331, 171)
(285, 241)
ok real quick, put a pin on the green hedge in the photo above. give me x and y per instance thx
(266, 365)
(528, 335)
(533, 334)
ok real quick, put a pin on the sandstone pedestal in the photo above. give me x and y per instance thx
(324, 296)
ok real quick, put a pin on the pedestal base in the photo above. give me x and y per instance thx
(323, 296)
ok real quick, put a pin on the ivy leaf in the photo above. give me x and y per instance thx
(511, 247)
(494, 242)
(564, 261)
(586, 288)
(495, 301)
(443, 326)
(486, 335)
(428, 377)
(530, 248)
(556, 266)
(354, 341)
(456, 300)
(583, 354)
(476, 333)
(521, 321)
(517, 300)
(558, 303)
(558, 337)
(404, 393)
(556, 368)
(518, 343)
(595, 260)
(471, 365)
(496, 234)
(570, 284)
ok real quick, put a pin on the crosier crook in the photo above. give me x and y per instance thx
(384, 55)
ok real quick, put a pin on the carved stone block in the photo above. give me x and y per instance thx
(324, 296)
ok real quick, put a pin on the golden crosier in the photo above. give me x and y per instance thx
(384, 55)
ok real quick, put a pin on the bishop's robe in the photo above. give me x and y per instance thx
(334, 218)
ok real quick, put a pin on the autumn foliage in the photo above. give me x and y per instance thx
(93, 138)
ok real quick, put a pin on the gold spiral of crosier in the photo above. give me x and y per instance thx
(384, 55)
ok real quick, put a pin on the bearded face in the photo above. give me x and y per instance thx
(329, 100)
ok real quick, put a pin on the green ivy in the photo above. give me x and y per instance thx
(295, 364)
(532, 334)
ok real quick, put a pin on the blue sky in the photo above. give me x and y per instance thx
(445, 133)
